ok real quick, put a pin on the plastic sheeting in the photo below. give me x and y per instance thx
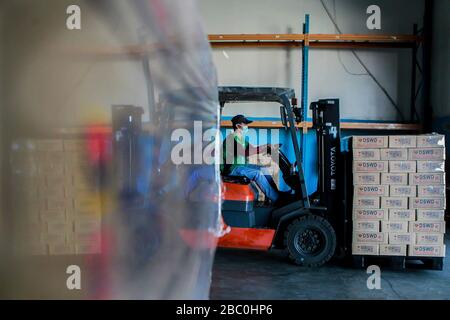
(134, 208)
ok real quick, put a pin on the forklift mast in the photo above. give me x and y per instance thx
(326, 122)
(127, 127)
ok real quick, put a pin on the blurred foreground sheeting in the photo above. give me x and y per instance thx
(137, 224)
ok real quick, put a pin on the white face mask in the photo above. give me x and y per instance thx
(244, 129)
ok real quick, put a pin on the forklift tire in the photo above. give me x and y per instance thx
(310, 241)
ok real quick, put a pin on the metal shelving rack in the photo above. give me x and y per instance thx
(306, 41)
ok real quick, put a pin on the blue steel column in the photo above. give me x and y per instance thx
(304, 80)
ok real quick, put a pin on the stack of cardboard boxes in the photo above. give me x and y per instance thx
(56, 196)
(399, 195)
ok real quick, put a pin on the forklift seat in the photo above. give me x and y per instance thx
(236, 179)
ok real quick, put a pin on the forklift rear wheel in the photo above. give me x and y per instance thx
(310, 241)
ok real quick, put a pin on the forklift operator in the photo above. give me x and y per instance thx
(236, 150)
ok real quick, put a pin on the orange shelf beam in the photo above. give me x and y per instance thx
(106, 129)
(350, 41)
(344, 125)
(314, 40)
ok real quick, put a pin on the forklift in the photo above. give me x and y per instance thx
(309, 227)
(304, 226)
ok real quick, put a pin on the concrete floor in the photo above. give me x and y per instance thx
(267, 275)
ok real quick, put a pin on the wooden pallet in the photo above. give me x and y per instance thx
(399, 263)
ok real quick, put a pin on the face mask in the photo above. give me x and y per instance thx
(244, 130)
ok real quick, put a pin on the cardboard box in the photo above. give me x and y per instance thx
(431, 141)
(392, 250)
(402, 238)
(366, 225)
(427, 178)
(370, 166)
(24, 166)
(54, 237)
(55, 203)
(427, 203)
(24, 158)
(88, 247)
(76, 158)
(57, 181)
(426, 251)
(427, 226)
(24, 171)
(398, 179)
(23, 145)
(87, 225)
(89, 217)
(402, 166)
(402, 191)
(365, 249)
(51, 157)
(51, 191)
(366, 178)
(37, 249)
(430, 215)
(78, 193)
(366, 202)
(370, 214)
(430, 166)
(86, 236)
(53, 215)
(88, 206)
(402, 215)
(49, 168)
(369, 142)
(431, 191)
(394, 203)
(61, 249)
(370, 237)
(371, 190)
(402, 141)
(366, 154)
(83, 181)
(394, 154)
(430, 238)
(59, 226)
(75, 145)
(431, 154)
(86, 213)
(49, 145)
(23, 183)
(395, 226)
(81, 170)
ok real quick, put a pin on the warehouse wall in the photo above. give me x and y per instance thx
(360, 97)
(66, 90)
(440, 59)
(123, 82)
(440, 73)
(2, 106)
